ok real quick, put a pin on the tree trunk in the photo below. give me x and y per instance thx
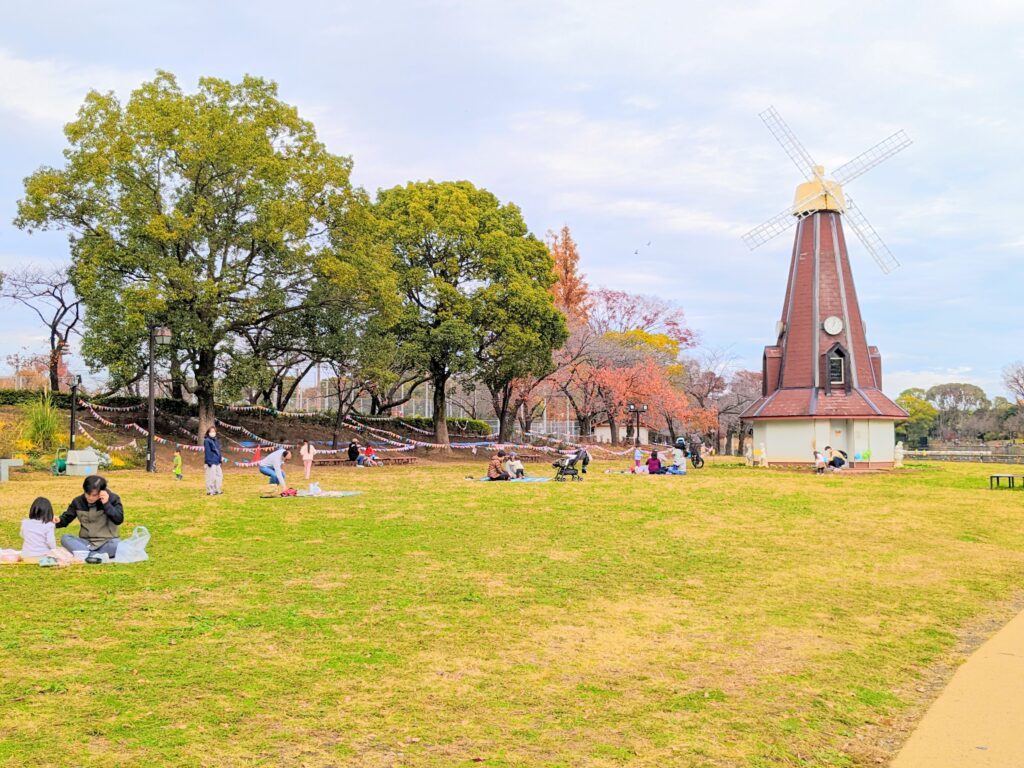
(55, 348)
(337, 422)
(287, 397)
(439, 378)
(177, 378)
(502, 402)
(205, 371)
(613, 429)
(741, 447)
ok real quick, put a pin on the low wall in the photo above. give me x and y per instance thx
(982, 457)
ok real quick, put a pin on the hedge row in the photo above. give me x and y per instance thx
(467, 426)
(63, 400)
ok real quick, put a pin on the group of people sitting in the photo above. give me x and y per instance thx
(99, 513)
(830, 460)
(505, 466)
(363, 456)
(654, 464)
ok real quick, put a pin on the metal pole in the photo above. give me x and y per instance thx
(150, 448)
(74, 412)
(636, 429)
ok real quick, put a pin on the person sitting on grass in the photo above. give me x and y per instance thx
(495, 471)
(37, 537)
(370, 457)
(272, 465)
(99, 513)
(353, 450)
(654, 464)
(514, 467)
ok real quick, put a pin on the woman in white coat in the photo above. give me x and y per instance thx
(306, 453)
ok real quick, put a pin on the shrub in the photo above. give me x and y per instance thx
(10, 436)
(43, 424)
(466, 426)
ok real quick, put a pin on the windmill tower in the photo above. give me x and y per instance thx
(822, 381)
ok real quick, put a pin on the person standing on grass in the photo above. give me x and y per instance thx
(306, 453)
(177, 463)
(99, 513)
(272, 465)
(638, 456)
(212, 459)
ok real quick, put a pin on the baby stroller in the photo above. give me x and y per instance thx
(566, 466)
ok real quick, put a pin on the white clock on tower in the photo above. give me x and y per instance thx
(833, 325)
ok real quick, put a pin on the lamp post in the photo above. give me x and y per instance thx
(76, 382)
(636, 409)
(158, 335)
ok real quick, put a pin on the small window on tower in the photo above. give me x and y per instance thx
(837, 368)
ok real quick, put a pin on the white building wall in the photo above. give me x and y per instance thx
(795, 440)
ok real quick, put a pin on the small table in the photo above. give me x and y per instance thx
(995, 481)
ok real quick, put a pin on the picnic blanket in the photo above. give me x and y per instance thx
(516, 480)
(315, 493)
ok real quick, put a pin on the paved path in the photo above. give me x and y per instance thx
(978, 720)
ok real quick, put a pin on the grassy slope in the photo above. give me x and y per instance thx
(733, 617)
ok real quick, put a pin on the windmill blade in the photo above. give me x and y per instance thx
(863, 229)
(780, 222)
(801, 157)
(879, 153)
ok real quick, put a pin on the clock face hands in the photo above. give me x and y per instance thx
(833, 325)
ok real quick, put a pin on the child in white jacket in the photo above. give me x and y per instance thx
(37, 531)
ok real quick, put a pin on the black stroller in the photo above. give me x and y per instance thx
(566, 466)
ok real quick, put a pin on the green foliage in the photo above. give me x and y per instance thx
(44, 424)
(474, 284)
(467, 426)
(205, 212)
(923, 417)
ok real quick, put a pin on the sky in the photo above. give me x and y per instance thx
(634, 123)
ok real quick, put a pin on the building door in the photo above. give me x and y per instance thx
(839, 435)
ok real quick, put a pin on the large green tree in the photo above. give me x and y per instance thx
(923, 417)
(475, 285)
(203, 211)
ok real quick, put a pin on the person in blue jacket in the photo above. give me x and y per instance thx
(213, 460)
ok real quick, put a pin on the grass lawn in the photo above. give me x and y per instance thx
(734, 617)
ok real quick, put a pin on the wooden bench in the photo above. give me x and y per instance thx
(995, 481)
(332, 461)
(5, 466)
(531, 458)
(388, 461)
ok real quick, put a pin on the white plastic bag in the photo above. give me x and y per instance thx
(133, 549)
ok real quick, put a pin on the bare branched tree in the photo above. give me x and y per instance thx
(48, 293)
(1013, 378)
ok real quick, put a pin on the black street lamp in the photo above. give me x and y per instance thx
(636, 409)
(76, 382)
(158, 335)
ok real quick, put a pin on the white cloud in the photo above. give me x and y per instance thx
(49, 91)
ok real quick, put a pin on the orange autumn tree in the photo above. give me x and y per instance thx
(571, 292)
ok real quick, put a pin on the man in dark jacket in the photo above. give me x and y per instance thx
(99, 513)
(353, 450)
(212, 460)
